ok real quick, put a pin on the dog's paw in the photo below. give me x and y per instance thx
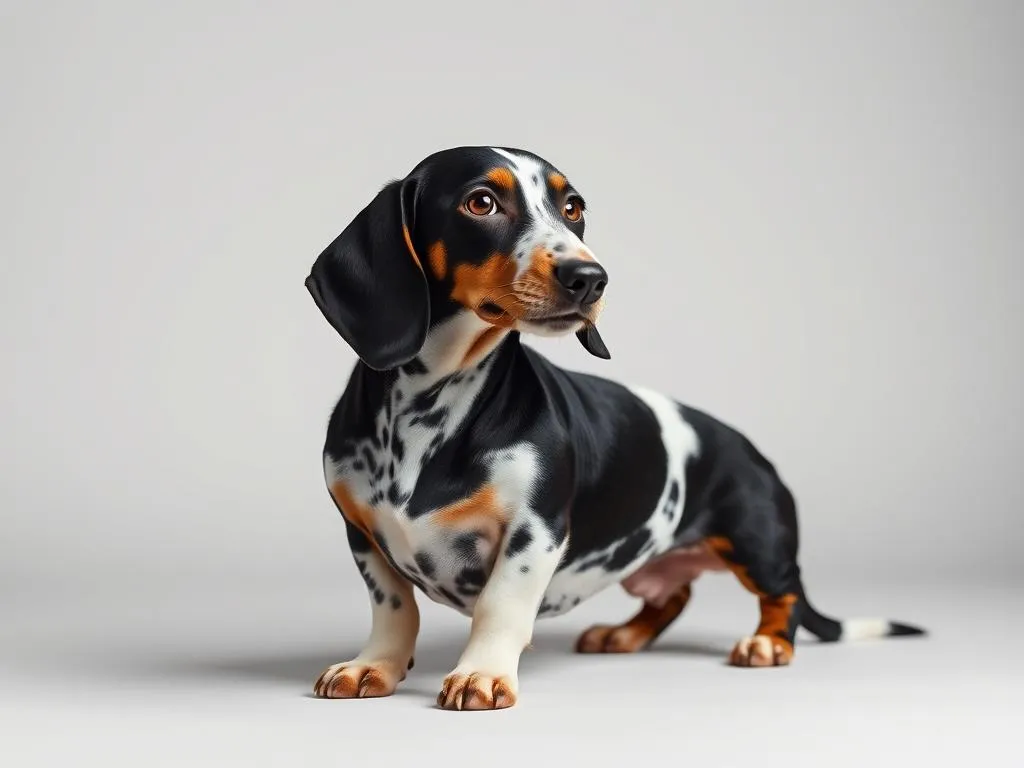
(608, 639)
(475, 691)
(761, 651)
(360, 679)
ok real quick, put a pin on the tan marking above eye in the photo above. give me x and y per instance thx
(503, 178)
(557, 181)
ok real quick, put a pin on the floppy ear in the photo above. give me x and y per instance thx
(369, 283)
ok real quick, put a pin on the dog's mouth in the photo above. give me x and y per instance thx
(582, 323)
(492, 309)
(548, 320)
(553, 324)
(563, 319)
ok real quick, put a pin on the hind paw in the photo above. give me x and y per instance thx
(608, 639)
(761, 651)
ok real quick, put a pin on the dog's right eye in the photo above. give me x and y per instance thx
(481, 203)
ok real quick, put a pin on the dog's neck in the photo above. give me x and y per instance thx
(452, 347)
(458, 353)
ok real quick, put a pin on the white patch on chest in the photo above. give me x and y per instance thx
(420, 414)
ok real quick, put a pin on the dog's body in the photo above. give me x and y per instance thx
(466, 464)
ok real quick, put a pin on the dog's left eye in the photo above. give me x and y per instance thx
(481, 204)
(573, 209)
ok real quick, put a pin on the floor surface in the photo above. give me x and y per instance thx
(205, 677)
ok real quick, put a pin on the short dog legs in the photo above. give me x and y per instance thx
(387, 654)
(486, 676)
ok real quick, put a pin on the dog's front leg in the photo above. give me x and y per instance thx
(386, 656)
(486, 676)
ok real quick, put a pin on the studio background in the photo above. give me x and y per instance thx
(811, 215)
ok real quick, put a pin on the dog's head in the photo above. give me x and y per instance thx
(495, 232)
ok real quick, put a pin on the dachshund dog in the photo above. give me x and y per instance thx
(467, 465)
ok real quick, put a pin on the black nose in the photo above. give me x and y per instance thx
(584, 281)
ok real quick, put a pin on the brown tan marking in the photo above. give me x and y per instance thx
(770, 645)
(357, 513)
(481, 511)
(537, 282)
(557, 181)
(502, 177)
(438, 257)
(473, 285)
(408, 244)
(637, 633)
(540, 274)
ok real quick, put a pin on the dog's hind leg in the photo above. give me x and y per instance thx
(771, 645)
(758, 543)
(637, 633)
(665, 586)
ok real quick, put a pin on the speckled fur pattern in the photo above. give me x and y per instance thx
(470, 469)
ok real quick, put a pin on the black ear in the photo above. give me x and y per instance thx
(369, 283)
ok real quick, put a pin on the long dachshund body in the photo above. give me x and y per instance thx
(470, 468)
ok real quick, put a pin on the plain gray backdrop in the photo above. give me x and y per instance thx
(812, 214)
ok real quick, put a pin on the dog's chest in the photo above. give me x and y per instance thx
(446, 550)
(416, 417)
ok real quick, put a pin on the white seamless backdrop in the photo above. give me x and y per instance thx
(811, 219)
(812, 215)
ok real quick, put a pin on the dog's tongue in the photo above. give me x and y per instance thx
(592, 341)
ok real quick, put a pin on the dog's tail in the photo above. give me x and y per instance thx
(830, 630)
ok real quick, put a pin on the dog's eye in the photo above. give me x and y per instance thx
(573, 209)
(481, 204)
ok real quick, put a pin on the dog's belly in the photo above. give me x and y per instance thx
(654, 578)
(664, 576)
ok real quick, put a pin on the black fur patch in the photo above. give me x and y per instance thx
(414, 367)
(451, 597)
(519, 541)
(426, 564)
(628, 550)
(465, 546)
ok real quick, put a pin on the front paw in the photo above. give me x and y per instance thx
(360, 679)
(477, 690)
